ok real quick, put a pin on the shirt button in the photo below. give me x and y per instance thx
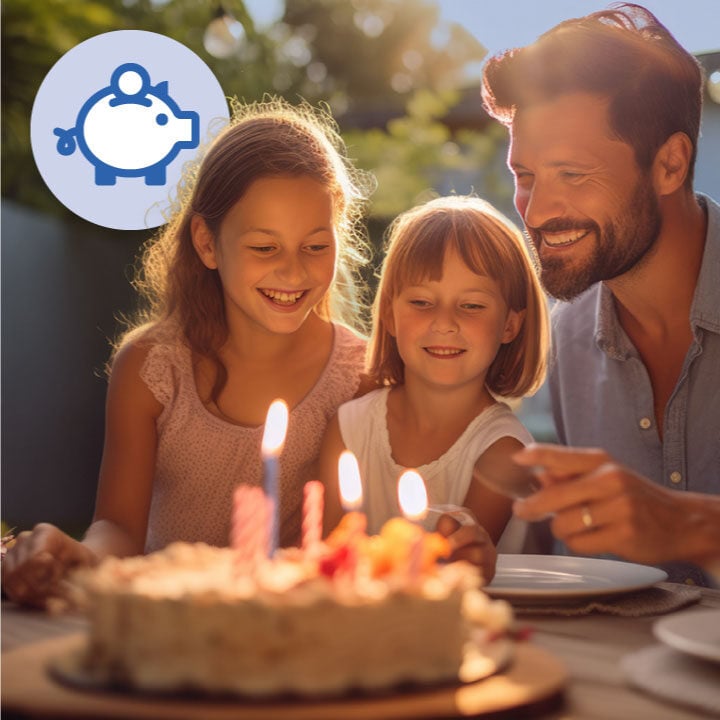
(689, 581)
(675, 477)
(645, 423)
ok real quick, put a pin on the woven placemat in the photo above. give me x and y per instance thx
(651, 601)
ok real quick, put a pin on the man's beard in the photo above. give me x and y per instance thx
(621, 244)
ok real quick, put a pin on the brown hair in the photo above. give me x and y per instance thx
(489, 244)
(268, 138)
(624, 54)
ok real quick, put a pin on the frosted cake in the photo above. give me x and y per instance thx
(354, 612)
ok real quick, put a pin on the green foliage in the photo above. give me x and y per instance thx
(417, 157)
(406, 156)
(388, 71)
(34, 37)
(378, 51)
(36, 34)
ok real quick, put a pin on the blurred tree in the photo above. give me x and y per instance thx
(34, 37)
(365, 57)
(409, 154)
(36, 34)
(390, 71)
(416, 156)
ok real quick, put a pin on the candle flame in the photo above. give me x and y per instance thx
(412, 495)
(276, 424)
(351, 493)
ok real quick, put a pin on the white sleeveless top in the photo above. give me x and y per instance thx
(363, 426)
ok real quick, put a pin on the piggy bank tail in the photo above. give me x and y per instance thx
(66, 141)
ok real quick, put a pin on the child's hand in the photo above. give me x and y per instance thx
(38, 560)
(469, 542)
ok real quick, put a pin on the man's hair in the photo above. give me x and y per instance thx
(625, 54)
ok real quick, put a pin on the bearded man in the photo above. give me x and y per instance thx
(604, 116)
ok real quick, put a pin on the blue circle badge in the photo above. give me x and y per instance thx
(115, 120)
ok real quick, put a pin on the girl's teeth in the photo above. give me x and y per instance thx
(283, 298)
(443, 351)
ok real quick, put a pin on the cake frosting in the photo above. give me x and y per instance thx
(354, 612)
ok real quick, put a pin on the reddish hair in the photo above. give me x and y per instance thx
(489, 244)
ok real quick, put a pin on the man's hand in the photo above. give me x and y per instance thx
(599, 506)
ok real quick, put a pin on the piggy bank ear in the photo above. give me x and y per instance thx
(162, 89)
(203, 242)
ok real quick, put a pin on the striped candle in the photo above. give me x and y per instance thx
(413, 500)
(313, 499)
(250, 524)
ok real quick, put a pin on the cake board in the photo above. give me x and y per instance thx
(534, 676)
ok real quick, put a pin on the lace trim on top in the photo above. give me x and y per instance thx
(201, 458)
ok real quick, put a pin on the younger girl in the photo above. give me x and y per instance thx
(247, 287)
(459, 320)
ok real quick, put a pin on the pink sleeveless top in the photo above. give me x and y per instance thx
(202, 458)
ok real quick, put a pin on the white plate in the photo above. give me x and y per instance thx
(692, 632)
(553, 578)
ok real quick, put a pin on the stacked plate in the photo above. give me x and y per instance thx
(684, 667)
(696, 633)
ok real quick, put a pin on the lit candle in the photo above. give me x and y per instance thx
(350, 530)
(273, 440)
(313, 497)
(351, 493)
(249, 529)
(413, 499)
(412, 496)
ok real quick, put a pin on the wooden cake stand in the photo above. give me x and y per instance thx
(533, 677)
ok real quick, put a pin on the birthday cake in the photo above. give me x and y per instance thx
(353, 612)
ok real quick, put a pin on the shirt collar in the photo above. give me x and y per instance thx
(705, 310)
(609, 335)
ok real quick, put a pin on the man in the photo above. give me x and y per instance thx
(604, 115)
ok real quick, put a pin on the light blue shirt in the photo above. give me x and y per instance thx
(602, 396)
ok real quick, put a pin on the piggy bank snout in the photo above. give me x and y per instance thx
(184, 131)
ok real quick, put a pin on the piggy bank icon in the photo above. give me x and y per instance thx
(130, 128)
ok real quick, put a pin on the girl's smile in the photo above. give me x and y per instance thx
(283, 298)
(444, 352)
(448, 331)
(275, 253)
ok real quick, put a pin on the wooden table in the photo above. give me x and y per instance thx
(590, 646)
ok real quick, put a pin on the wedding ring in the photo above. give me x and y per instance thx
(587, 519)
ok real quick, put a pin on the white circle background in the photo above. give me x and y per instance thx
(130, 204)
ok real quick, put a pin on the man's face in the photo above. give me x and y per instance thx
(591, 213)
